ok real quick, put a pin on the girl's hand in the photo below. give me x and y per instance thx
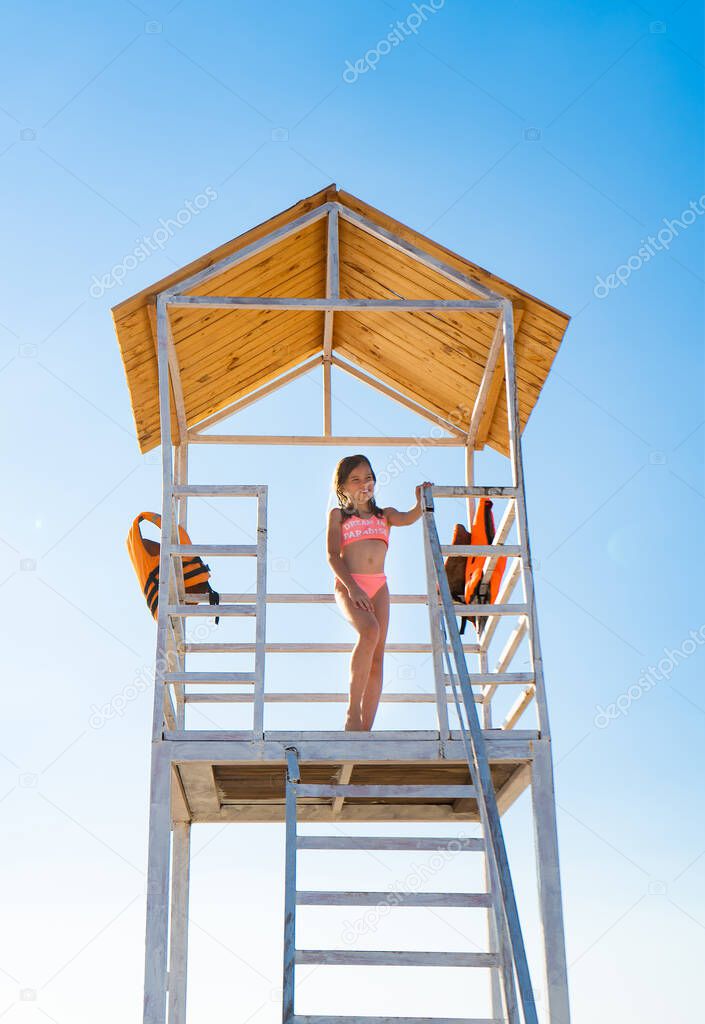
(360, 599)
(426, 483)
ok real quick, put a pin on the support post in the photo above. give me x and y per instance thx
(157, 930)
(178, 944)
(292, 777)
(332, 292)
(517, 463)
(165, 566)
(549, 883)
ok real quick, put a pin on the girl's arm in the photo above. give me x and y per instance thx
(335, 561)
(397, 518)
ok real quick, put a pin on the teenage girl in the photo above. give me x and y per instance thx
(358, 538)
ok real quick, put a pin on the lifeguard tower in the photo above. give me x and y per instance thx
(335, 284)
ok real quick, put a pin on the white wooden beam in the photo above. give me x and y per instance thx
(480, 403)
(253, 249)
(318, 440)
(242, 403)
(332, 292)
(517, 463)
(332, 305)
(155, 970)
(416, 253)
(408, 403)
(549, 884)
(178, 945)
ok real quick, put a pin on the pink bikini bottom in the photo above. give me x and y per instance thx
(370, 582)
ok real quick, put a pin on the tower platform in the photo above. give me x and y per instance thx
(227, 777)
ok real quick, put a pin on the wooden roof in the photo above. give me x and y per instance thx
(435, 358)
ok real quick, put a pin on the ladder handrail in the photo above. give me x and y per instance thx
(480, 771)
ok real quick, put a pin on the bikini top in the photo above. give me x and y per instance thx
(354, 528)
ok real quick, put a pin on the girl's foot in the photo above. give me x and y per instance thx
(353, 722)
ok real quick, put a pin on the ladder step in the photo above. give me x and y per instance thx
(410, 958)
(388, 843)
(209, 677)
(477, 490)
(318, 1019)
(207, 550)
(209, 610)
(219, 490)
(466, 610)
(403, 792)
(483, 550)
(497, 678)
(307, 898)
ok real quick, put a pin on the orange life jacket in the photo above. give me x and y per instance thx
(465, 573)
(145, 554)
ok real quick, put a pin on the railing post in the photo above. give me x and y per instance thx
(260, 613)
(165, 560)
(477, 757)
(434, 619)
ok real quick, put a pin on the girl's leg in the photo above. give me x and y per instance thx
(368, 634)
(373, 690)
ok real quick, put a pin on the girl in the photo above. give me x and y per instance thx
(358, 537)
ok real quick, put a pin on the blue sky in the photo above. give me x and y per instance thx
(544, 141)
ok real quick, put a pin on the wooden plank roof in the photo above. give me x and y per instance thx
(435, 358)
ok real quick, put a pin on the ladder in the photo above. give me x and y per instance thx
(507, 959)
(175, 606)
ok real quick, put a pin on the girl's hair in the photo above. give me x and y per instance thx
(342, 472)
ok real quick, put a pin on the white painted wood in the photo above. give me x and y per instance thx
(476, 490)
(208, 611)
(253, 249)
(210, 677)
(344, 776)
(406, 958)
(348, 791)
(415, 843)
(415, 252)
(334, 440)
(420, 410)
(178, 945)
(306, 648)
(479, 765)
(522, 521)
(483, 550)
(519, 707)
(213, 550)
(220, 490)
(327, 1019)
(254, 396)
(289, 970)
(155, 969)
(483, 392)
(318, 898)
(549, 884)
(285, 598)
(314, 698)
(261, 613)
(434, 619)
(417, 746)
(340, 305)
(500, 678)
(332, 292)
(163, 657)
